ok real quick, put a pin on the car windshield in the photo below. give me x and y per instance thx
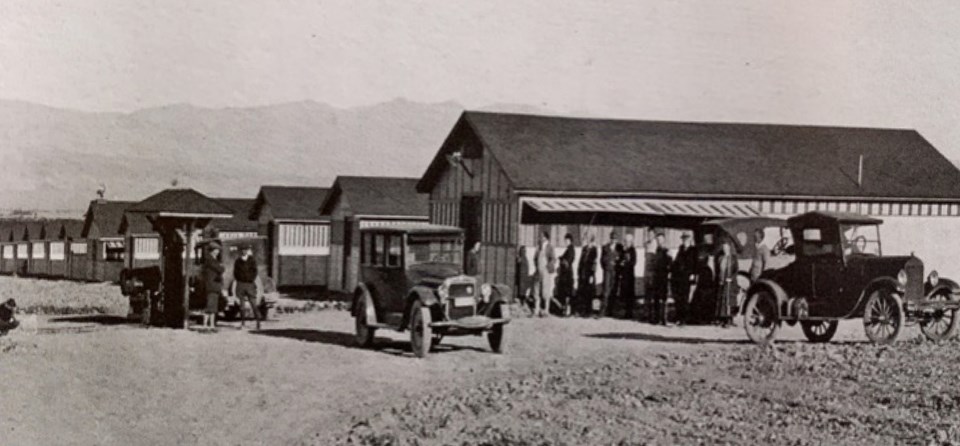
(434, 251)
(860, 239)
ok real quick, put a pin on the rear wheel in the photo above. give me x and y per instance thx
(496, 334)
(760, 318)
(819, 331)
(883, 317)
(364, 333)
(421, 335)
(941, 324)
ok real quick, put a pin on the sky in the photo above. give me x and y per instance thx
(861, 63)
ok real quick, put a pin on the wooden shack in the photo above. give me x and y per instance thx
(298, 237)
(141, 242)
(56, 249)
(106, 250)
(75, 248)
(36, 248)
(356, 202)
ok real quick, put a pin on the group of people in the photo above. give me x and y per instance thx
(701, 280)
(245, 287)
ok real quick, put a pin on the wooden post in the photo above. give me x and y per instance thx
(186, 275)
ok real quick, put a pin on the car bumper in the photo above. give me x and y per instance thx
(470, 323)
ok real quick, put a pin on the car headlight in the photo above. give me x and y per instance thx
(933, 278)
(902, 277)
(443, 291)
(485, 292)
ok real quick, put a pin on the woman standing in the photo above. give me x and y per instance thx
(565, 273)
(726, 268)
(212, 285)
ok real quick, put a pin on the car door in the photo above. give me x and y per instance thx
(827, 276)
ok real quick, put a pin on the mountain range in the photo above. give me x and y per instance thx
(56, 159)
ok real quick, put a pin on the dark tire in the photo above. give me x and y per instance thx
(496, 334)
(264, 311)
(819, 331)
(364, 333)
(883, 317)
(942, 324)
(146, 316)
(760, 319)
(421, 335)
(231, 313)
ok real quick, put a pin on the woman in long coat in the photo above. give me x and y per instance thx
(726, 268)
(212, 285)
(565, 273)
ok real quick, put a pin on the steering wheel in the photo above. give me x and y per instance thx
(780, 246)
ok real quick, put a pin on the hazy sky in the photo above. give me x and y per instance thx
(832, 62)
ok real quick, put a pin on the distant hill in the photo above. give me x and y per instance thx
(55, 159)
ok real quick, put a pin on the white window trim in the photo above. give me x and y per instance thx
(56, 251)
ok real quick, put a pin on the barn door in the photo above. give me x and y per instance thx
(470, 220)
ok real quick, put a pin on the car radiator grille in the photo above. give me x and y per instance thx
(914, 281)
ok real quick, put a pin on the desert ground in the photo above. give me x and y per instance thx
(95, 379)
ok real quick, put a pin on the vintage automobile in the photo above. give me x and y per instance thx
(143, 286)
(411, 279)
(840, 273)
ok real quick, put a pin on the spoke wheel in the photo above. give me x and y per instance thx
(883, 317)
(819, 331)
(760, 318)
(421, 335)
(364, 333)
(942, 324)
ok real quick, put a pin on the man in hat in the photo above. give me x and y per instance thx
(682, 271)
(7, 319)
(609, 261)
(659, 284)
(245, 275)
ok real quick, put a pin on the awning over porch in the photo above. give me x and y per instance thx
(644, 206)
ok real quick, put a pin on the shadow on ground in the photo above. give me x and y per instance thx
(99, 319)
(342, 339)
(648, 337)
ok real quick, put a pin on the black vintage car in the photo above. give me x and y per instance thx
(411, 278)
(840, 273)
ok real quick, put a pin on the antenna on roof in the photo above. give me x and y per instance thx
(860, 172)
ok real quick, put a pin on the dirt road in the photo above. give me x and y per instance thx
(578, 381)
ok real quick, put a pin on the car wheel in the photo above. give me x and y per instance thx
(364, 333)
(264, 311)
(819, 331)
(760, 318)
(883, 317)
(495, 336)
(421, 335)
(942, 324)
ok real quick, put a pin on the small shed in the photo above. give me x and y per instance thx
(56, 248)
(178, 216)
(75, 248)
(357, 202)
(106, 249)
(298, 237)
(141, 242)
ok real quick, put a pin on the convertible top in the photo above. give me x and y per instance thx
(816, 217)
(746, 225)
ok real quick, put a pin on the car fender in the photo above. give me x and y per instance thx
(501, 293)
(875, 284)
(771, 287)
(425, 295)
(947, 285)
(363, 292)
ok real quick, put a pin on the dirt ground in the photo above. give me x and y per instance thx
(97, 380)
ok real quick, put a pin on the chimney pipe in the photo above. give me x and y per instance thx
(860, 172)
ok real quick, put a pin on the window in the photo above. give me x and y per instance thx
(860, 239)
(39, 251)
(78, 248)
(812, 235)
(434, 251)
(56, 251)
(366, 248)
(22, 251)
(304, 239)
(146, 248)
(113, 250)
(377, 257)
(394, 252)
(8, 252)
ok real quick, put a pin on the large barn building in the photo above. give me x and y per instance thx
(359, 202)
(505, 178)
(298, 237)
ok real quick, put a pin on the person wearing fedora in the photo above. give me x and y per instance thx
(659, 285)
(682, 274)
(245, 274)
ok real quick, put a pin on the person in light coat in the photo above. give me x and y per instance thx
(546, 262)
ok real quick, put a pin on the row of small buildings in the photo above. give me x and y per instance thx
(505, 178)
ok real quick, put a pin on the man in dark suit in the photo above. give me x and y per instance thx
(659, 284)
(587, 277)
(609, 260)
(628, 277)
(682, 271)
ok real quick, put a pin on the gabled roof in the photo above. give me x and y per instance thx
(181, 203)
(136, 223)
(71, 229)
(10, 230)
(557, 155)
(103, 218)
(240, 222)
(386, 196)
(32, 230)
(291, 203)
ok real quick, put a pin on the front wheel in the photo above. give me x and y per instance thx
(363, 333)
(883, 317)
(819, 331)
(421, 335)
(760, 318)
(942, 324)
